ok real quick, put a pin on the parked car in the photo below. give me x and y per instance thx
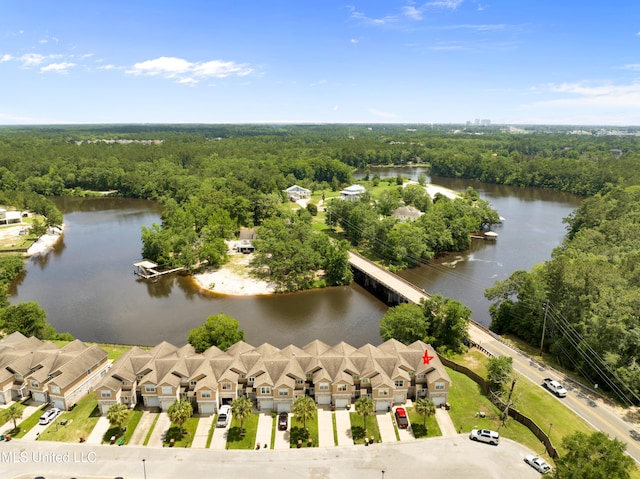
(283, 421)
(401, 418)
(538, 464)
(223, 416)
(49, 415)
(555, 387)
(485, 435)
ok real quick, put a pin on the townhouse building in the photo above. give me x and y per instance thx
(273, 378)
(30, 367)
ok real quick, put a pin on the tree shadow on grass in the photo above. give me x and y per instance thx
(235, 435)
(419, 430)
(298, 434)
(96, 412)
(357, 433)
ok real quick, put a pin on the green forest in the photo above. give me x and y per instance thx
(215, 179)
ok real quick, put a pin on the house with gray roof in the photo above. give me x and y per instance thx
(30, 367)
(273, 378)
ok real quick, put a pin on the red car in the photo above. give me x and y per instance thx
(401, 418)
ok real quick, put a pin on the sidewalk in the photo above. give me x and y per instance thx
(139, 435)
(325, 427)
(98, 432)
(202, 432)
(265, 425)
(162, 426)
(385, 426)
(343, 427)
(446, 424)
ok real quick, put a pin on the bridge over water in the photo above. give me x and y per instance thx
(389, 287)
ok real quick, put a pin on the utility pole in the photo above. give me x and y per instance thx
(505, 415)
(544, 326)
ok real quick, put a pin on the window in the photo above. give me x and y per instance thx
(421, 376)
(149, 388)
(440, 386)
(309, 375)
(126, 383)
(299, 382)
(35, 384)
(399, 383)
(323, 387)
(251, 380)
(105, 394)
(54, 389)
(205, 394)
(383, 392)
(226, 386)
(89, 372)
(167, 389)
(342, 388)
(265, 390)
(364, 380)
(242, 376)
(283, 392)
(356, 378)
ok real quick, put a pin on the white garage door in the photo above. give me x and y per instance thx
(324, 398)
(59, 403)
(266, 404)
(151, 401)
(207, 408)
(284, 407)
(342, 403)
(39, 396)
(400, 397)
(383, 405)
(438, 401)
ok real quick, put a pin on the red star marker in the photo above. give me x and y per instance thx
(426, 358)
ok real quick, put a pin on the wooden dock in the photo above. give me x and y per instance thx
(149, 270)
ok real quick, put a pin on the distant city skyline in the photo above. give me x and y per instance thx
(439, 61)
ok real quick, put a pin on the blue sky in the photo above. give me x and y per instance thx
(440, 61)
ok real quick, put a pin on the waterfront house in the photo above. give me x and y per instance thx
(272, 378)
(352, 193)
(30, 367)
(407, 213)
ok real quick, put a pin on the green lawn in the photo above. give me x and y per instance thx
(358, 428)
(4, 418)
(182, 437)
(26, 425)
(417, 425)
(236, 440)
(79, 422)
(125, 434)
(466, 400)
(297, 431)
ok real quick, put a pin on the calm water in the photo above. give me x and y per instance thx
(87, 286)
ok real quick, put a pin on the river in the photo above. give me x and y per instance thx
(87, 286)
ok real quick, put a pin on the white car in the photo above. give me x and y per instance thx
(555, 387)
(485, 435)
(224, 415)
(49, 415)
(538, 464)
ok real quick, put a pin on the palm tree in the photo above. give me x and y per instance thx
(364, 405)
(117, 415)
(241, 409)
(304, 408)
(426, 408)
(179, 411)
(13, 413)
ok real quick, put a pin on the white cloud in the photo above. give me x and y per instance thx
(32, 59)
(185, 71)
(5, 58)
(57, 67)
(360, 16)
(412, 12)
(631, 66)
(354, 40)
(382, 114)
(605, 96)
(453, 4)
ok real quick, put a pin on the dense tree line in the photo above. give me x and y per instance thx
(587, 295)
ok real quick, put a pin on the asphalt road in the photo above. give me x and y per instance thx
(453, 458)
(591, 409)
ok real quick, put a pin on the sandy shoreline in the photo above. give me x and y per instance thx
(234, 279)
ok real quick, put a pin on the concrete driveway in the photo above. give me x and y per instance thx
(283, 438)
(325, 428)
(219, 439)
(343, 427)
(386, 427)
